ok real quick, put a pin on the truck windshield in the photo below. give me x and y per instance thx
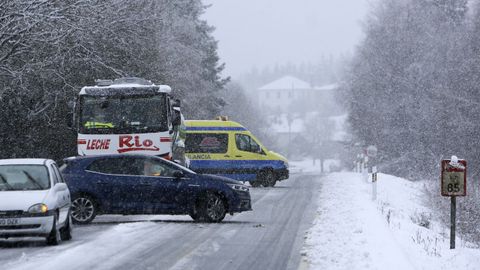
(123, 114)
(23, 177)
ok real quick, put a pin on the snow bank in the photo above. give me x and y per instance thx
(396, 231)
(308, 166)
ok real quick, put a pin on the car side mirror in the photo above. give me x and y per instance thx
(178, 174)
(60, 187)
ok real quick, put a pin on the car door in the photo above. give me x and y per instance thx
(63, 196)
(249, 154)
(120, 184)
(166, 188)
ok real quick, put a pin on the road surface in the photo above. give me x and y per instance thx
(270, 237)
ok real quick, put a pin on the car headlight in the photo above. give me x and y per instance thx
(38, 208)
(238, 187)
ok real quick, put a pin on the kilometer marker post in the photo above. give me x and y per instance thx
(453, 184)
(453, 216)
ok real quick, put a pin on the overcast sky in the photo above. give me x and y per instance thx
(265, 32)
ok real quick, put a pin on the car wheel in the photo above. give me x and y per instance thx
(211, 208)
(53, 238)
(66, 231)
(84, 209)
(268, 179)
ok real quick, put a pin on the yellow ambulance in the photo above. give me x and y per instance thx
(228, 149)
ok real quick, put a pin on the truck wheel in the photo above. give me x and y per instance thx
(84, 209)
(211, 208)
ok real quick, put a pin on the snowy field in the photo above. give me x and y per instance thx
(351, 231)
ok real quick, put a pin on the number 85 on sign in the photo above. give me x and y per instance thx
(454, 177)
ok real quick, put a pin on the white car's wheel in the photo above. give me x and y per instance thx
(66, 231)
(54, 238)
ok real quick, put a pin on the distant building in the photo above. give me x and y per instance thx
(280, 94)
(295, 133)
(305, 120)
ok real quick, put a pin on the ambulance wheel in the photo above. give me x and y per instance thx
(268, 179)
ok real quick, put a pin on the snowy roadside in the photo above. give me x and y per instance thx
(351, 231)
(310, 167)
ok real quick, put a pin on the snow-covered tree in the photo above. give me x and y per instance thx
(49, 49)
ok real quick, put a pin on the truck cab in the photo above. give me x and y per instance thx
(128, 115)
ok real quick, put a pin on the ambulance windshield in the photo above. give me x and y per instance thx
(123, 114)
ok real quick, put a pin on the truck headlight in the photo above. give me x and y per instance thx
(38, 208)
(238, 187)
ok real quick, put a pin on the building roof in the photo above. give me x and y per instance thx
(290, 82)
(287, 82)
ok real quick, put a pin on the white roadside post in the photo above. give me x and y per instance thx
(453, 183)
(372, 152)
(365, 168)
(374, 183)
(365, 163)
(358, 163)
(361, 163)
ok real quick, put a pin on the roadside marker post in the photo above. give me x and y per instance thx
(374, 183)
(358, 164)
(453, 183)
(365, 168)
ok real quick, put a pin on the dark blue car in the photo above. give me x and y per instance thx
(139, 184)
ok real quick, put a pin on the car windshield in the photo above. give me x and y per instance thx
(23, 177)
(123, 114)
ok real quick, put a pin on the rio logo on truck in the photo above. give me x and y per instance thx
(124, 144)
(128, 115)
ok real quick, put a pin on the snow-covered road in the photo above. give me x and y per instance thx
(270, 237)
(307, 222)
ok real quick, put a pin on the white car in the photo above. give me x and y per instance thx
(34, 200)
